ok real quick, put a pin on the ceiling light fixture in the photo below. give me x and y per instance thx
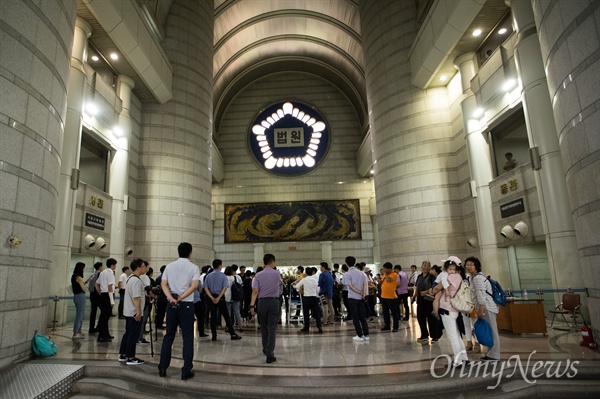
(114, 56)
(91, 108)
(502, 31)
(478, 113)
(95, 58)
(509, 85)
(443, 78)
(477, 32)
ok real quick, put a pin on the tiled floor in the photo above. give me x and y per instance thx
(332, 353)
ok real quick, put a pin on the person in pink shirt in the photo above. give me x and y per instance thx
(449, 314)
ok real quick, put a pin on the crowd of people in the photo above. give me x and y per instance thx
(184, 294)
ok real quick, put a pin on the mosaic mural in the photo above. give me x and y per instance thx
(293, 221)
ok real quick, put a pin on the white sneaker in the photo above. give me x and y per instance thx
(357, 338)
(366, 337)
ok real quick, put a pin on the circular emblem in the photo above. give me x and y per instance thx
(289, 139)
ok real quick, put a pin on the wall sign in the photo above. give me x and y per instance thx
(289, 139)
(95, 222)
(512, 208)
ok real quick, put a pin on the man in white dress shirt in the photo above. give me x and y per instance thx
(178, 282)
(310, 298)
(106, 286)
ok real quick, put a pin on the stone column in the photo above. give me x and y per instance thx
(259, 253)
(175, 178)
(119, 171)
(559, 230)
(37, 41)
(480, 165)
(415, 182)
(569, 40)
(375, 224)
(326, 252)
(71, 148)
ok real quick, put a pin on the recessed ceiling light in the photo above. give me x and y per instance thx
(114, 56)
(509, 84)
(478, 112)
(372, 171)
(477, 32)
(443, 78)
(502, 31)
(91, 108)
(95, 58)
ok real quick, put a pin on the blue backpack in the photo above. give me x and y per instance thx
(497, 294)
(42, 346)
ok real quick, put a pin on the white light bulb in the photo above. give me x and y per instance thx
(318, 127)
(270, 163)
(309, 161)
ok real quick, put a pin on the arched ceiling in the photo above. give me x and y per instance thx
(255, 38)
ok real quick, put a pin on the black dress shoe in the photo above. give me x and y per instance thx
(320, 331)
(93, 331)
(203, 335)
(235, 337)
(104, 340)
(162, 372)
(187, 376)
(271, 359)
(214, 337)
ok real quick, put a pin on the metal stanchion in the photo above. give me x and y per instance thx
(55, 305)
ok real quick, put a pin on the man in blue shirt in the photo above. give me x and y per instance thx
(215, 285)
(326, 293)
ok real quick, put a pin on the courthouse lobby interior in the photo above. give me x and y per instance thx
(389, 130)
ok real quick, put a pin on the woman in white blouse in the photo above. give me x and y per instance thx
(481, 291)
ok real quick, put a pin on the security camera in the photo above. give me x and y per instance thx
(128, 251)
(89, 241)
(521, 229)
(507, 232)
(101, 242)
(472, 241)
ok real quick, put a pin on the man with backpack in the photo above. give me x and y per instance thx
(483, 300)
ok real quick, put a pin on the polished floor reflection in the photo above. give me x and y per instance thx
(332, 353)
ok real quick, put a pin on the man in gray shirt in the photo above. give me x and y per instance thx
(133, 309)
(357, 290)
(266, 289)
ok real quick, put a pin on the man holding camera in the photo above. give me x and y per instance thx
(178, 282)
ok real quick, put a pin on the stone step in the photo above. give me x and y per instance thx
(143, 382)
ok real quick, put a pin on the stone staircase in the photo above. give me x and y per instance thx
(111, 381)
